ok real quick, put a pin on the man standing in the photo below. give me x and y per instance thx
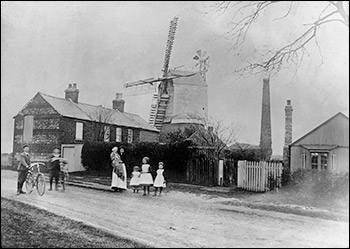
(23, 167)
(54, 167)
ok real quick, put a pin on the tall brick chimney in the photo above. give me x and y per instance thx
(265, 132)
(118, 102)
(288, 132)
(72, 92)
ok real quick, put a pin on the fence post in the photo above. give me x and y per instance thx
(221, 172)
(240, 174)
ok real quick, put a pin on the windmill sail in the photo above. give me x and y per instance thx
(158, 111)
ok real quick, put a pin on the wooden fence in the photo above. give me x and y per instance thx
(259, 176)
(202, 171)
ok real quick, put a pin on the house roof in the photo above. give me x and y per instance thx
(68, 108)
(339, 114)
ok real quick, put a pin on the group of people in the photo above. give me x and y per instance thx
(139, 178)
(55, 164)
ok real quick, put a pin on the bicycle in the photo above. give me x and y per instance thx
(38, 181)
(64, 175)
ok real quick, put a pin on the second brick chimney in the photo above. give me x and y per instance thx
(72, 92)
(288, 124)
(118, 102)
(288, 133)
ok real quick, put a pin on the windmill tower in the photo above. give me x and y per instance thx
(176, 93)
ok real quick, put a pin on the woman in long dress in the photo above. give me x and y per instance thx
(119, 171)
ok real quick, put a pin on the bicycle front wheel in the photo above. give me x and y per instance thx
(30, 183)
(40, 184)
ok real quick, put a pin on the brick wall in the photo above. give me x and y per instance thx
(148, 136)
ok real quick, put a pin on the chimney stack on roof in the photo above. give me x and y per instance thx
(118, 102)
(72, 92)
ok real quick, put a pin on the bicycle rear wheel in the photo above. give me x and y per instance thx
(30, 183)
(40, 184)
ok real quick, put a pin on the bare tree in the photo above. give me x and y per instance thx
(248, 13)
(100, 126)
(213, 135)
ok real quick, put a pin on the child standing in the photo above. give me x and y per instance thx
(146, 179)
(135, 179)
(159, 182)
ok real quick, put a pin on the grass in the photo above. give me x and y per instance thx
(24, 226)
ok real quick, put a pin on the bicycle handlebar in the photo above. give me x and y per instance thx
(37, 164)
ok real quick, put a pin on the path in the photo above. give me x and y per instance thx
(179, 219)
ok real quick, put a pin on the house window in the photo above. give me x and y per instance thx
(303, 161)
(324, 161)
(79, 131)
(28, 128)
(106, 133)
(118, 136)
(314, 160)
(319, 160)
(334, 161)
(130, 134)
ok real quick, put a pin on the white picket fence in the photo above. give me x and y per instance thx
(259, 176)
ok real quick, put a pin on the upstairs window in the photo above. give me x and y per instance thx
(28, 128)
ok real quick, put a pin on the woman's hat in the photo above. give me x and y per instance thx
(115, 148)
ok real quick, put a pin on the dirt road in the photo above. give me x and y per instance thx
(179, 219)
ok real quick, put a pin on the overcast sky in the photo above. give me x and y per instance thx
(103, 45)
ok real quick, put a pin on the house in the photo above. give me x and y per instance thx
(48, 122)
(324, 148)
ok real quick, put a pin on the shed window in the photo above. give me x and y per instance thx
(79, 131)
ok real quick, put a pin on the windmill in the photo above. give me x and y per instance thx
(163, 102)
(160, 100)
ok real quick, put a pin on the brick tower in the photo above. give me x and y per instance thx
(265, 132)
(288, 132)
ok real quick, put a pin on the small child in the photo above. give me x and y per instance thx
(146, 179)
(159, 182)
(135, 179)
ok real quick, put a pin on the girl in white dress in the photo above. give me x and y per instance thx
(146, 179)
(159, 182)
(135, 179)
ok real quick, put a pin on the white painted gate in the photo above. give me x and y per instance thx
(259, 176)
(72, 152)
